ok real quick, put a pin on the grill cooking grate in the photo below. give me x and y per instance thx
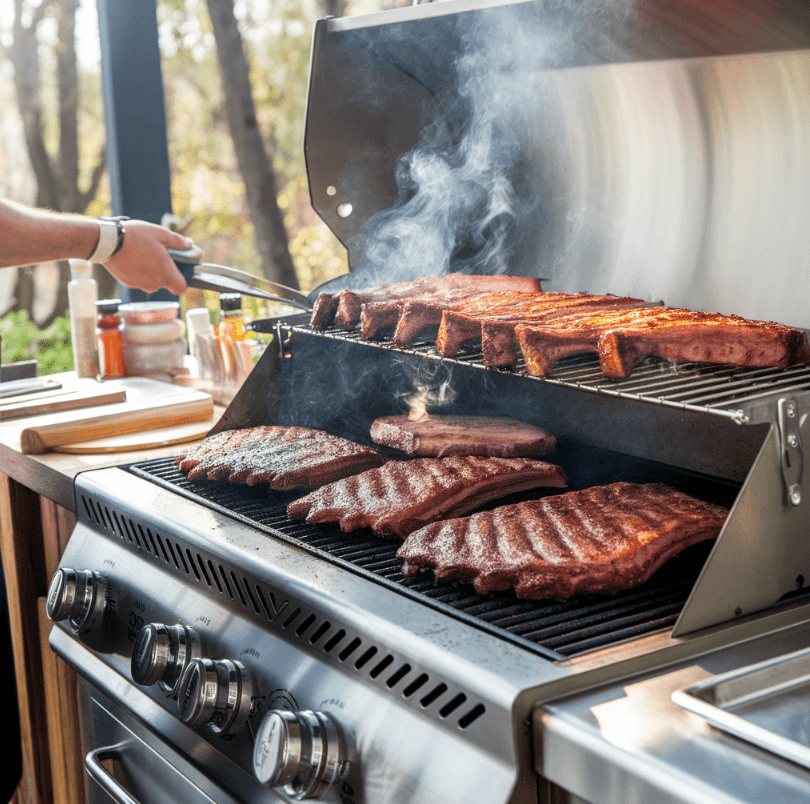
(721, 390)
(552, 629)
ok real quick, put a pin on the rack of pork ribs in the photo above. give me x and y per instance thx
(509, 316)
(597, 540)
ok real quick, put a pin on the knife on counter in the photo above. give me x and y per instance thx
(221, 278)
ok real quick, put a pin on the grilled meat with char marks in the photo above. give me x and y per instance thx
(402, 496)
(439, 436)
(281, 457)
(413, 314)
(492, 320)
(346, 309)
(598, 540)
(624, 338)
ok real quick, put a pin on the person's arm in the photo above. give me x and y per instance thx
(29, 236)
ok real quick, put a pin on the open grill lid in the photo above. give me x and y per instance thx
(655, 150)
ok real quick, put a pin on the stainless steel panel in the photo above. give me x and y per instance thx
(394, 738)
(627, 742)
(131, 762)
(765, 704)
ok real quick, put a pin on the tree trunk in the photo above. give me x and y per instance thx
(57, 177)
(255, 164)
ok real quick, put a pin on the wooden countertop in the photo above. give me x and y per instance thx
(51, 474)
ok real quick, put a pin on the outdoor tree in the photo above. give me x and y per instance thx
(255, 163)
(51, 140)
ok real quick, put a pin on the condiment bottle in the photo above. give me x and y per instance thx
(110, 340)
(231, 322)
(82, 295)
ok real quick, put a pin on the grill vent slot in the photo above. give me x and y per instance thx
(242, 592)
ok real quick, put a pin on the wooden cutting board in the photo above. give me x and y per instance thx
(117, 420)
(80, 393)
(148, 439)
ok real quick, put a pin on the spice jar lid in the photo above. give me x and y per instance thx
(107, 306)
(148, 312)
(228, 302)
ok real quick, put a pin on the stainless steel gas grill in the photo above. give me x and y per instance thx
(237, 655)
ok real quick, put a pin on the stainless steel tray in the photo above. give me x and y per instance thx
(767, 704)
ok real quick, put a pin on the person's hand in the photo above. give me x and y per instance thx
(143, 261)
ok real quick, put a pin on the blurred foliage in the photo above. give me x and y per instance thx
(206, 185)
(24, 340)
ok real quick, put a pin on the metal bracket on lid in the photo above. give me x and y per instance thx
(790, 448)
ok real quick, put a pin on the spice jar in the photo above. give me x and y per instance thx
(110, 340)
(231, 321)
(153, 338)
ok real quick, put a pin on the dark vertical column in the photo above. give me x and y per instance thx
(132, 85)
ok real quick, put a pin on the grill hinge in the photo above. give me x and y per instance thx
(790, 448)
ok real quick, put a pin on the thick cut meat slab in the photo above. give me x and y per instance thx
(687, 337)
(463, 323)
(598, 540)
(624, 338)
(281, 457)
(543, 344)
(323, 311)
(440, 436)
(377, 317)
(401, 496)
(499, 343)
(413, 314)
(493, 319)
(347, 308)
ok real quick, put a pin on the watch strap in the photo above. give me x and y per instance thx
(110, 238)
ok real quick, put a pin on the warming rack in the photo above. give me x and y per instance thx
(724, 391)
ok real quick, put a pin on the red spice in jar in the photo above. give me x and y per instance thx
(110, 340)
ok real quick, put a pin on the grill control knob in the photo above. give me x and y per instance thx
(162, 653)
(214, 693)
(81, 597)
(301, 752)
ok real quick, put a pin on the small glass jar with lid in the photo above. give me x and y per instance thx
(110, 340)
(231, 319)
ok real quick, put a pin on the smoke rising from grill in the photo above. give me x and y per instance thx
(467, 188)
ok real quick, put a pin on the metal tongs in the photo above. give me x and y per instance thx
(221, 278)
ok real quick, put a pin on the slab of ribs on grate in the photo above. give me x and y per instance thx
(601, 539)
(511, 317)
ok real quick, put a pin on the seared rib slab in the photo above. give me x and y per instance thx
(346, 309)
(414, 313)
(625, 338)
(440, 436)
(599, 540)
(401, 496)
(493, 320)
(281, 457)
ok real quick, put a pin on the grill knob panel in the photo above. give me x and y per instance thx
(78, 596)
(214, 693)
(300, 752)
(161, 655)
